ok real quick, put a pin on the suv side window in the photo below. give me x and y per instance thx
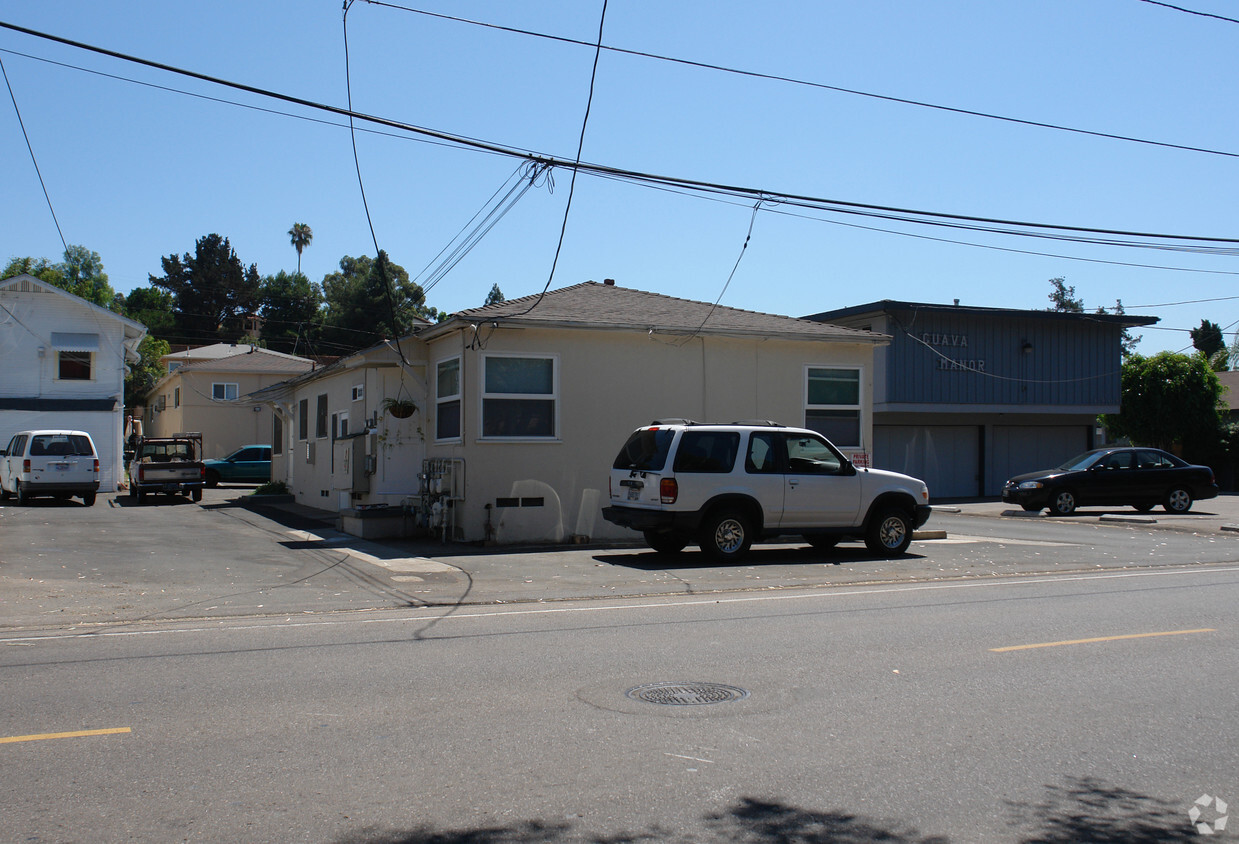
(811, 456)
(762, 458)
(707, 452)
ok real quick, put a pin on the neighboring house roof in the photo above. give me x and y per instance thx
(1230, 389)
(890, 305)
(606, 306)
(134, 330)
(215, 351)
(255, 360)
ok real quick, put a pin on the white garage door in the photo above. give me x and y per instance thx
(947, 457)
(1020, 449)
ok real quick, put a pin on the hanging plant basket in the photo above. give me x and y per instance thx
(400, 408)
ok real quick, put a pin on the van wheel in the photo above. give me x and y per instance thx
(22, 497)
(89, 499)
(726, 535)
(889, 533)
(665, 542)
(5, 495)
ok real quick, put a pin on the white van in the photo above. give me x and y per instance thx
(61, 464)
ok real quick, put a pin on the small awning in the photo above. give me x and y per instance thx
(68, 342)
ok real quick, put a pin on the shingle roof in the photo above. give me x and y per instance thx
(259, 360)
(605, 306)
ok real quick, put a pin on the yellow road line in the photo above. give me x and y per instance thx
(1101, 639)
(78, 734)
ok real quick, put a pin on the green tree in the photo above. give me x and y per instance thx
(368, 300)
(1208, 340)
(1169, 400)
(40, 268)
(1064, 297)
(494, 297)
(300, 235)
(150, 306)
(144, 374)
(82, 271)
(290, 307)
(212, 291)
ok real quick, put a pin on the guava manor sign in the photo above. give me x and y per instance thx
(954, 344)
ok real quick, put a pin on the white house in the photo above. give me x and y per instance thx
(63, 362)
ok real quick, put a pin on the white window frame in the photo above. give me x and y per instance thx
(236, 391)
(359, 392)
(339, 425)
(448, 398)
(859, 407)
(553, 397)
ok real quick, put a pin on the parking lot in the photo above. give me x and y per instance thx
(65, 564)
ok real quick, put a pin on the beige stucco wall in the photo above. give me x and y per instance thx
(610, 382)
(225, 426)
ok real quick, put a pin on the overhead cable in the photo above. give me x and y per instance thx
(994, 225)
(820, 85)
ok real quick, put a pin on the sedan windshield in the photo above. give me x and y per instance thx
(1081, 461)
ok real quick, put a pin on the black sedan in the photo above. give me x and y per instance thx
(1140, 477)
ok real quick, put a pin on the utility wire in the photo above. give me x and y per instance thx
(1010, 227)
(33, 160)
(1186, 11)
(852, 91)
(743, 248)
(580, 145)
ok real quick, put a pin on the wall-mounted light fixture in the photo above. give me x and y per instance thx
(1027, 348)
(42, 351)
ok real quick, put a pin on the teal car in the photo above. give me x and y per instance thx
(249, 464)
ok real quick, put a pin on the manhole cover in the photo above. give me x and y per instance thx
(686, 694)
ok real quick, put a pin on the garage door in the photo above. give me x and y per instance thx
(947, 457)
(1027, 448)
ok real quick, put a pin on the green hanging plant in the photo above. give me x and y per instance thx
(399, 408)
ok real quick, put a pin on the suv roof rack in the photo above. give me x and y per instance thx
(759, 423)
(674, 421)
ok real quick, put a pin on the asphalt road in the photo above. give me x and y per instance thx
(1053, 708)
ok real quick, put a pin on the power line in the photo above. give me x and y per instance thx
(33, 160)
(1185, 11)
(837, 89)
(580, 145)
(1099, 236)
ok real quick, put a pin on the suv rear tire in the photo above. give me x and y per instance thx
(665, 542)
(889, 533)
(726, 535)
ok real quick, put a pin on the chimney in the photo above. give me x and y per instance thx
(609, 282)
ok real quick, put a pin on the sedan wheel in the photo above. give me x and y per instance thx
(1178, 500)
(1064, 503)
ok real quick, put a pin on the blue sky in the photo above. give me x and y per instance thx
(137, 172)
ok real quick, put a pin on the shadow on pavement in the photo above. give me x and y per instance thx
(1081, 811)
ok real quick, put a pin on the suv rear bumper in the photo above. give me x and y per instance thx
(656, 520)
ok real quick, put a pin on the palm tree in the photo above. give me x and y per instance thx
(300, 235)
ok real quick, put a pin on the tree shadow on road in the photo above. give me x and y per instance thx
(1081, 811)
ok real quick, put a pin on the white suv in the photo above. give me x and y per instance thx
(61, 464)
(726, 486)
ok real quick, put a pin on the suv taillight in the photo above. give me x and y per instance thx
(26, 465)
(96, 465)
(668, 490)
